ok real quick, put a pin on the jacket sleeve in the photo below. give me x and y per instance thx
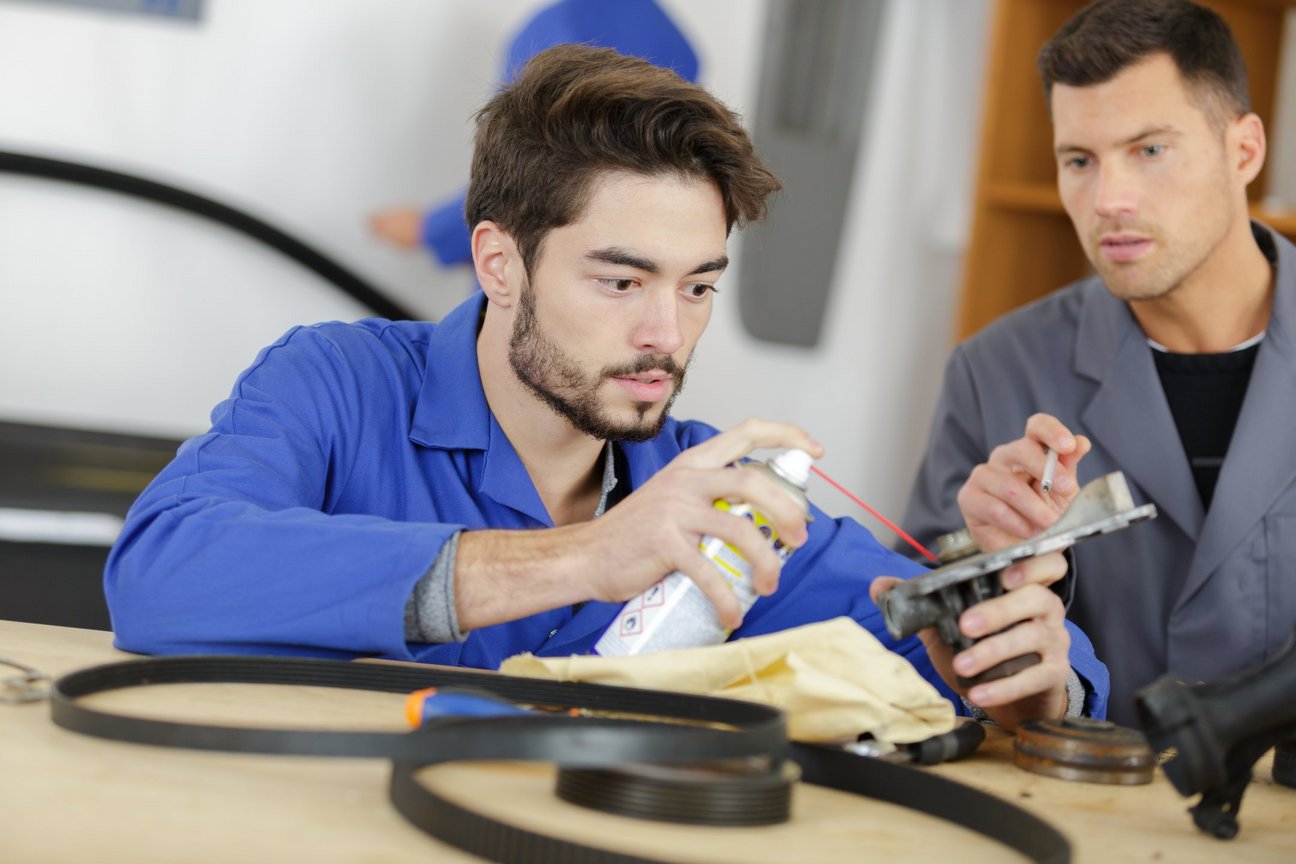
(233, 547)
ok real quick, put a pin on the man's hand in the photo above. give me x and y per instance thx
(1001, 501)
(505, 575)
(1033, 616)
(656, 530)
(400, 226)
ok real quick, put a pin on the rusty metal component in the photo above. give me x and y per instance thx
(1081, 748)
(938, 598)
(955, 546)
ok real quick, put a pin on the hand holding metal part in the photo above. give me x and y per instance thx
(938, 598)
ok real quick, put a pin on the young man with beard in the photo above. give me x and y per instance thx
(501, 481)
(1173, 364)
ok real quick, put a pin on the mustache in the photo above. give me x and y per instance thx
(646, 363)
(1122, 225)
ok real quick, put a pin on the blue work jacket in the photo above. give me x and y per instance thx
(344, 459)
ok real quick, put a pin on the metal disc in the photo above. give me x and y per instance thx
(1080, 748)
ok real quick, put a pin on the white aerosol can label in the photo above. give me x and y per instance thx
(674, 613)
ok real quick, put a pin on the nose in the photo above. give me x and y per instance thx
(1114, 192)
(658, 329)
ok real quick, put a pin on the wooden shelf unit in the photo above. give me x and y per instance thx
(1022, 244)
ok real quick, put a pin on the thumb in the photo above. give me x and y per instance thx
(881, 584)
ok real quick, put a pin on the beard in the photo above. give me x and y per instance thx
(558, 381)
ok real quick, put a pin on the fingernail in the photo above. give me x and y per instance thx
(977, 695)
(1012, 577)
(1067, 443)
(1063, 483)
(971, 623)
(963, 664)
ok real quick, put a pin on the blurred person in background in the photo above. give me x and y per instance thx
(636, 28)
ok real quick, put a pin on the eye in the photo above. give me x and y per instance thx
(617, 286)
(1152, 151)
(699, 290)
(1076, 163)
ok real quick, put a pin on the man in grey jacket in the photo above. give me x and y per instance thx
(1175, 363)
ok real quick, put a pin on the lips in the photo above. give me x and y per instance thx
(1122, 248)
(646, 387)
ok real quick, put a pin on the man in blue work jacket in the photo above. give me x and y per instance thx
(500, 482)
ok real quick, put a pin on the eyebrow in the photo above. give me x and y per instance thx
(623, 258)
(1146, 133)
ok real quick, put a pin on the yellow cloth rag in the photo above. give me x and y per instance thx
(834, 679)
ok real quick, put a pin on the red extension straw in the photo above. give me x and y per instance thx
(885, 521)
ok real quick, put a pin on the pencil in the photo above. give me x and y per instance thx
(1050, 468)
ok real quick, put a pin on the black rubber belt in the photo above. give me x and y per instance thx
(749, 729)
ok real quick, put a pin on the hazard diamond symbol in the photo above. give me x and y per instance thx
(654, 596)
(632, 624)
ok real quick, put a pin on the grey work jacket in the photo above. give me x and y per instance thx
(1198, 594)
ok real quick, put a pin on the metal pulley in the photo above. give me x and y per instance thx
(1081, 748)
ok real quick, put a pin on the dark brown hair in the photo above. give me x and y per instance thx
(576, 111)
(1108, 36)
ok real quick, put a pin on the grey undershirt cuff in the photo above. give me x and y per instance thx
(1075, 695)
(430, 612)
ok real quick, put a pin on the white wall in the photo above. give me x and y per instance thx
(867, 391)
(311, 113)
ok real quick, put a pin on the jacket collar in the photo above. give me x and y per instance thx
(451, 412)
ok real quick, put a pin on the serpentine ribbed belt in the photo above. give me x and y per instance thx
(670, 733)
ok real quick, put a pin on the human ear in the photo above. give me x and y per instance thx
(1247, 134)
(496, 262)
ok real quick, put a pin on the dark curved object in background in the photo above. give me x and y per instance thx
(150, 190)
(46, 470)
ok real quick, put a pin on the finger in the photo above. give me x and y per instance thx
(710, 582)
(1048, 431)
(1048, 640)
(753, 434)
(720, 528)
(991, 616)
(785, 512)
(881, 585)
(763, 495)
(990, 499)
(1040, 570)
(1065, 480)
(1019, 488)
(1041, 678)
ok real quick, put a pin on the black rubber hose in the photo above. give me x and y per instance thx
(161, 193)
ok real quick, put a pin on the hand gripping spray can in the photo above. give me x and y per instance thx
(674, 613)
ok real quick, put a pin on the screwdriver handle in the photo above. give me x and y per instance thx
(961, 741)
(424, 705)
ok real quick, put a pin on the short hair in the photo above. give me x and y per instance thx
(575, 112)
(1107, 36)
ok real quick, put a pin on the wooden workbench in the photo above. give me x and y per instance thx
(67, 798)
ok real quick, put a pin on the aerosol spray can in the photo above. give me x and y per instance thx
(674, 613)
